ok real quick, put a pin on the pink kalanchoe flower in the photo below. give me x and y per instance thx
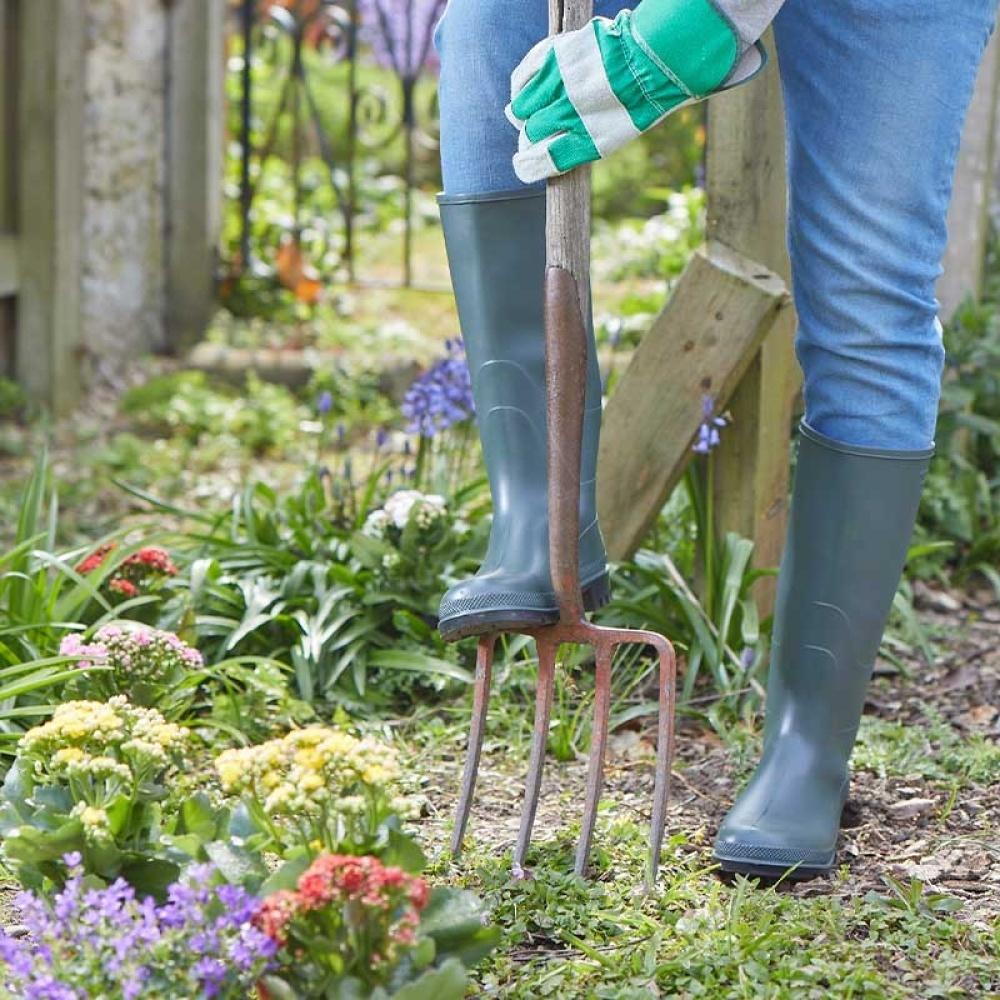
(88, 652)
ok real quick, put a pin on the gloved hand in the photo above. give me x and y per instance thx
(579, 96)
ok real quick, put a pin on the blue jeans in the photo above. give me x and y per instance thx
(876, 92)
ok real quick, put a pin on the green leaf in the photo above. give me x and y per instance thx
(418, 662)
(456, 920)
(445, 983)
(237, 865)
(286, 877)
(151, 876)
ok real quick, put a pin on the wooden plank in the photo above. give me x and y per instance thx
(50, 150)
(701, 344)
(9, 279)
(968, 217)
(194, 166)
(8, 113)
(747, 211)
(8, 181)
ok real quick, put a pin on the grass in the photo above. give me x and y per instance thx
(698, 937)
(878, 928)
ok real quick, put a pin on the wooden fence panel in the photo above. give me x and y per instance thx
(701, 344)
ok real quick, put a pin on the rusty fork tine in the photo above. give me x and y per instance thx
(664, 752)
(543, 710)
(598, 747)
(484, 673)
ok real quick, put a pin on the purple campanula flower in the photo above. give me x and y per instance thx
(87, 942)
(708, 432)
(324, 404)
(442, 396)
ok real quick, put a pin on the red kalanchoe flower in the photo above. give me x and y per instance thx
(124, 587)
(275, 912)
(154, 558)
(96, 559)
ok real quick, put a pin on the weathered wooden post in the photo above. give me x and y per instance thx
(8, 177)
(969, 217)
(726, 333)
(50, 199)
(195, 143)
(747, 211)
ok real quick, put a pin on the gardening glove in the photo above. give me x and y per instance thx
(579, 96)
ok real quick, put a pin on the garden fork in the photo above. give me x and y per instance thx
(567, 289)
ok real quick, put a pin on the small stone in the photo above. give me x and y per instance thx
(935, 600)
(908, 808)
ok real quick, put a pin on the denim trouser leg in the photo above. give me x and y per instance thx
(876, 93)
(480, 43)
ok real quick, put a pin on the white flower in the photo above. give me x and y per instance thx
(400, 505)
(375, 524)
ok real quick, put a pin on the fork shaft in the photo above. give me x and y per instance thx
(543, 710)
(598, 747)
(484, 673)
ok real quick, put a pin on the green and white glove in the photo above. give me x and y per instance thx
(579, 96)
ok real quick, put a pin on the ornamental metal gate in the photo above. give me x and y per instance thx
(337, 99)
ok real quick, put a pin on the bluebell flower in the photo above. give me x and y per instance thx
(708, 432)
(442, 396)
(325, 403)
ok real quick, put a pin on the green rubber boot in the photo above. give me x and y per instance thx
(496, 252)
(852, 517)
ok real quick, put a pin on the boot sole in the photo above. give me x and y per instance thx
(595, 595)
(772, 872)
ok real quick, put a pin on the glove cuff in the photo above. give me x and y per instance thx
(691, 41)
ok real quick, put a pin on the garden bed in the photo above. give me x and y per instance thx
(919, 843)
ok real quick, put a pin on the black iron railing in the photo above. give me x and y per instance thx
(381, 54)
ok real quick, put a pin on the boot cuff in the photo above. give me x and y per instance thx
(517, 194)
(861, 452)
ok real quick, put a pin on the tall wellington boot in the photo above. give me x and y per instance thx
(496, 252)
(852, 517)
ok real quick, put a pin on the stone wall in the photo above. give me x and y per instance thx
(124, 175)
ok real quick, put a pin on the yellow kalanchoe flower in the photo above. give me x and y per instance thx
(307, 768)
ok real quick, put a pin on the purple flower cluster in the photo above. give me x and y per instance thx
(708, 433)
(399, 32)
(442, 396)
(89, 942)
